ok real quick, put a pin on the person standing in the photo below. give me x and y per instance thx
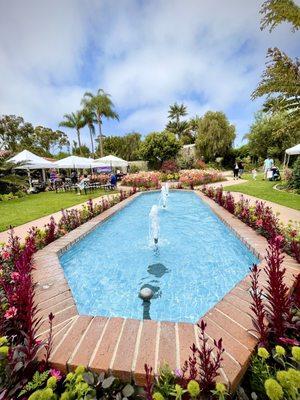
(241, 169)
(236, 170)
(268, 164)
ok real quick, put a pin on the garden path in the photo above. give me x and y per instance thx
(285, 214)
(22, 230)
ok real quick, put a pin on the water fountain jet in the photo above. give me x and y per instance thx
(153, 224)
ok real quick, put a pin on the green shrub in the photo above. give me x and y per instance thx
(295, 181)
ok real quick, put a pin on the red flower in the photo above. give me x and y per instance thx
(10, 313)
(5, 255)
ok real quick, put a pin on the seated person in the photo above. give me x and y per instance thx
(81, 184)
(113, 180)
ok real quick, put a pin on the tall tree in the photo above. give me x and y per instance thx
(102, 106)
(126, 147)
(90, 118)
(271, 134)
(281, 80)
(215, 135)
(74, 121)
(175, 125)
(17, 135)
(9, 181)
(159, 147)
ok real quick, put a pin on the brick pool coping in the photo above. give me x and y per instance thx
(122, 346)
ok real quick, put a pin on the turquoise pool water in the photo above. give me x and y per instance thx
(198, 260)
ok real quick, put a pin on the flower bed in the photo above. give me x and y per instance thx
(145, 180)
(189, 178)
(259, 217)
(196, 177)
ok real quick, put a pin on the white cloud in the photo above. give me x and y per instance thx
(208, 54)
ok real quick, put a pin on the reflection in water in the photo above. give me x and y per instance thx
(158, 270)
(146, 309)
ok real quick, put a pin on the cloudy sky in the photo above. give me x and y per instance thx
(147, 54)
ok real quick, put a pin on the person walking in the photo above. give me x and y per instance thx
(241, 169)
(268, 164)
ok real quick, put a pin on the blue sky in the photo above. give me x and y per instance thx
(208, 54)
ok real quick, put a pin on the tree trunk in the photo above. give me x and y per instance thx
(79, 141)
(92, 141)
(100, 136)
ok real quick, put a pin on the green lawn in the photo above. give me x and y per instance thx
(264, 190)
(19, 211)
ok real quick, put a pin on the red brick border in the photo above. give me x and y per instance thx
(122, 346)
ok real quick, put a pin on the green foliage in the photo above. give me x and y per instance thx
(183, 130)
(102, 107)
(277, 376)
(74, 120)
(3, 358)
(271, 134)
(83, 151)
(281, 84)
(215, 136)
(17, 135)
(295, 181)
(165, 381)
(126, 147)
(38, 380)
(9, 181)
(277, 11)
(159, 146)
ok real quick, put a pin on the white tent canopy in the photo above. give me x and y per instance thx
(292, 151)
(30, 161)
(74, 162)
(113, 161)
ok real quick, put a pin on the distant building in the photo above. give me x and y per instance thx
(189, 150)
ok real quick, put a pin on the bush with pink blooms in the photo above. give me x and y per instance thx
(147, 180)
(196, 177)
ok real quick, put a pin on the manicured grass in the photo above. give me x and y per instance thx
(19, 211)
(264, 190)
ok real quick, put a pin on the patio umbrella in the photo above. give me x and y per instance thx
(30, 161)
(113, 161)
(74, 162)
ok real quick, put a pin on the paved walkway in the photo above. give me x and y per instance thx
(22, 230)
(285, 214)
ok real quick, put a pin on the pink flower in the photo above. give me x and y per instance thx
(10, 313)
(5, 255)
(56, 374)
(178, 373)
(259, 222)
(15, 276)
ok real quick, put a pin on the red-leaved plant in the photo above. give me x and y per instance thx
(229, 203)
(258, 308)
(277, 293)
(202, 365)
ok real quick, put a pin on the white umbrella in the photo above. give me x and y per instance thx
(74, 162)
(113, 161)
(292, 151)
(30, 161)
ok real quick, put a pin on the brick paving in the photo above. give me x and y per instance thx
(122, 346)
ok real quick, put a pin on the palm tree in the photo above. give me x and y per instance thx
(102, 106)
(90, 118)
(176, 111)
(74, 121)
(174, 125)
